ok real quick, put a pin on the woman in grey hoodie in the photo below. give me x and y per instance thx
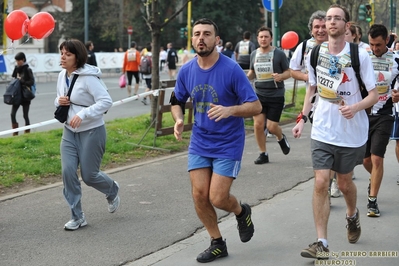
(84, 136)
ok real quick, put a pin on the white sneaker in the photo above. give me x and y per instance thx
(335, 192)
(75, 224)
(113, 205)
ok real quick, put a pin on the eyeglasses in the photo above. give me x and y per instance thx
(333, 65)
(336, 18)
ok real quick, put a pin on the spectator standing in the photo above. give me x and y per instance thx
(221, 96)
(243, 50)
(131, 62)
(270, 67)
(172, 59)
(84, 136)
(339, 129)
(24, 73)
(91, 56)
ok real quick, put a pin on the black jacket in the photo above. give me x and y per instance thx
(91, 58)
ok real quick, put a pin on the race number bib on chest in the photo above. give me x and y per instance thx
(329, 77)
(264, 66)
(383, 72)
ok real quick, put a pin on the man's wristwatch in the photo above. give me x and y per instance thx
(301, 116)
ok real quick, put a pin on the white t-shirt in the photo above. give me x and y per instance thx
(163, 55)
(363, 45)
(295, 62)
(329, 126)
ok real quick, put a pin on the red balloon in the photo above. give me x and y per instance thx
(41, 25)
(15, 24)
(289, 40)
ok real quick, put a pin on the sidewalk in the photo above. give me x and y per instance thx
(284, 226)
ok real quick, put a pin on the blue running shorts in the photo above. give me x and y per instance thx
(223, 167)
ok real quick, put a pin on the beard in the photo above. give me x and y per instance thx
(205, 52)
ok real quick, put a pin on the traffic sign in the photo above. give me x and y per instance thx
(130, 30)
(269, 4)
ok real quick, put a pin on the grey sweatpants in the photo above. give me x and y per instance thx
(85, 149)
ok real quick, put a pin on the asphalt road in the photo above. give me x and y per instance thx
(156, 210)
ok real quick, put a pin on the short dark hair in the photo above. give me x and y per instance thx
(247, 35)
(264, 28)
(133, 44)
(20, 56)
(377, 30)
(346, 12)
(207, 21)
(78, 49)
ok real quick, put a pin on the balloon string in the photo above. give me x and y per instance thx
(12, 48)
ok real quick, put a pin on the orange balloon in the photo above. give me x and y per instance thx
(289, 40)
(41, 25)
(15, 24)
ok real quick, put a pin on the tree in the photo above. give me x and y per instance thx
(155, 25)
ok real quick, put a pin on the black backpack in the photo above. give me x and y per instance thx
(355, 63)
(303, 50)
(13, 95)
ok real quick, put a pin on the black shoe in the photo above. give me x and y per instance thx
(245, 225)
(372, 209)
(284, 145)
(214, 251)
(263, 158)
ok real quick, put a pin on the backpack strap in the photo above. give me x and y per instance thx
(303, 50)
(314, 56)
(354, 51)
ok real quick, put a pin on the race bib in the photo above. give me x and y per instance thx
(329, 77)
(264, 65)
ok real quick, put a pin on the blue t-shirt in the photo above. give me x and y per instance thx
(225, 83)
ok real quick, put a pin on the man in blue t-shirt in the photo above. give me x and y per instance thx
(222, 96)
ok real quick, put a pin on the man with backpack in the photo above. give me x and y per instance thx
(340, 126)
(317, 27)
(385, 63)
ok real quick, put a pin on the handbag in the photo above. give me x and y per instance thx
(122, 81)
(61, 113)
(395, 127)
(27, 93)
(13, 96)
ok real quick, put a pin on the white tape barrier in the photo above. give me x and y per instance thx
(54, 121)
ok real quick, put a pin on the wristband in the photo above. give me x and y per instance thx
(301, 116)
